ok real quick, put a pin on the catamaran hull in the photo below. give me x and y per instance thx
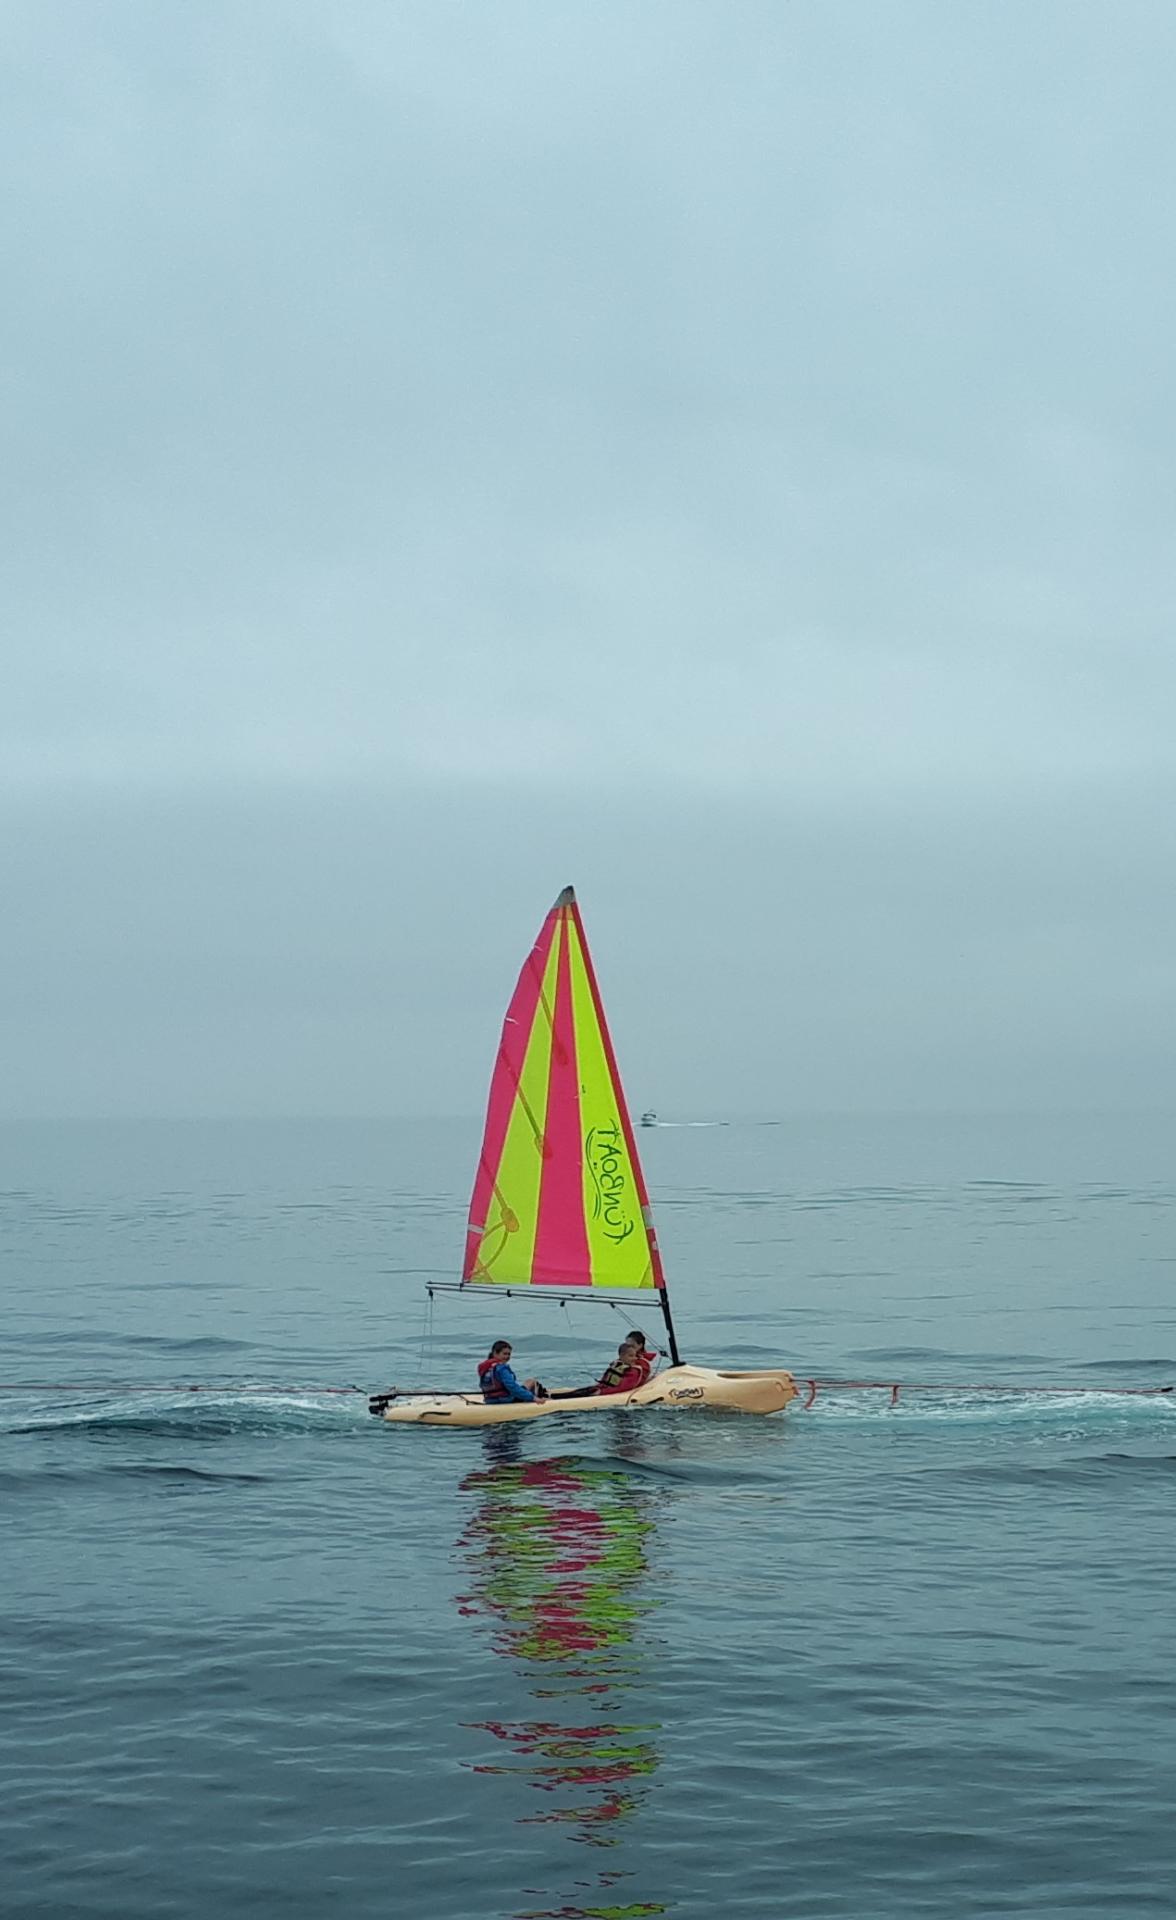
(765, 1392)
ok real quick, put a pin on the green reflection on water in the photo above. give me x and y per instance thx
(559, 1554)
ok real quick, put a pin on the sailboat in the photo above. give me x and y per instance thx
(560, 1208)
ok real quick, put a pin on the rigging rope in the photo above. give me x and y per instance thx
(426, 1334)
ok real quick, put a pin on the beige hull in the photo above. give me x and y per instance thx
(766, 1392)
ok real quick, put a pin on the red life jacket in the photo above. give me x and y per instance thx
(492, 1388)
(647, 1362)
(620, 1379)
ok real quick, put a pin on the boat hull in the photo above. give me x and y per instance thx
(767, 1391)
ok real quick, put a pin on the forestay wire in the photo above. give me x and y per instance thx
(426, 1335)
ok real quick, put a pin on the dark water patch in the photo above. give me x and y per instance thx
(43, 1338)
(1010, 1190)
(203, 1476)
(203, 1343)
(725, 1319)
(1141, 1367)
(187, 1284)
(1084, 1470)
(39, 1480)
(902, 1356)
(1151, 1196)
(856, 1273)
(889, 1196)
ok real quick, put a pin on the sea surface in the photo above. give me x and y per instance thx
(262, 1655)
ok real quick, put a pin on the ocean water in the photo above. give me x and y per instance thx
(263, 1655)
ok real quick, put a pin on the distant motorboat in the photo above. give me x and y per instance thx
(649, 1118)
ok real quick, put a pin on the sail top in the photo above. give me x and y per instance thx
(559, 1197)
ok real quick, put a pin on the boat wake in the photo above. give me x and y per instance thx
(184, 1415)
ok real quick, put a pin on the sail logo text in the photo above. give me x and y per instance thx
(604, 1155)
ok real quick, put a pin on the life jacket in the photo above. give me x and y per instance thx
(618, 1378)
(647, 1362)
(491, 1385)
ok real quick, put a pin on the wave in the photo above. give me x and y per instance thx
(93, 1337)
(39, 1481)
(1086, 1470)
(192, 1416)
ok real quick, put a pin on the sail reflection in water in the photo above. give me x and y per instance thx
(558, 1550)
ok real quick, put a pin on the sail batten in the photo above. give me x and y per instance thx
(559, 1199)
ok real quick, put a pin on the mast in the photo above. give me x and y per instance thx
(675, 1356)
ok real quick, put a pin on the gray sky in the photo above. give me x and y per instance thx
(718, 454)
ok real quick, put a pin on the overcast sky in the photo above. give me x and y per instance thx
(719, 453)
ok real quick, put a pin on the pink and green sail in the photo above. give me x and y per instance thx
(559, 1199)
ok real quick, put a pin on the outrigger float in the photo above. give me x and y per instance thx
(560, 1208)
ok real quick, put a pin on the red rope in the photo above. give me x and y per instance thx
(895, 1387)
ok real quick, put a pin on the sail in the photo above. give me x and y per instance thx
(559, 1199)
